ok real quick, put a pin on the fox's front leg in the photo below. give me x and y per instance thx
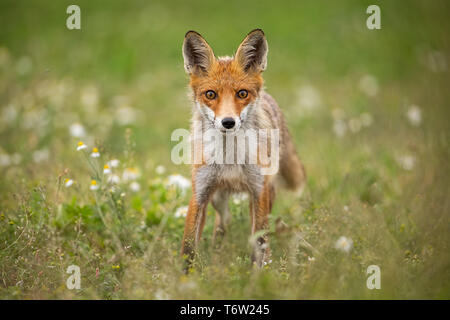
(260, 207)
(220, 203)
(196, 216)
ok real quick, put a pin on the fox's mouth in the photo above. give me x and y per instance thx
(229, 131)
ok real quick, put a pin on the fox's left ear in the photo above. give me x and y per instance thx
(252, 52)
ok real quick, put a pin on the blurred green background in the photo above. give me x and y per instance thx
(368, 109)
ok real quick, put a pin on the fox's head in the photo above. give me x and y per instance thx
(225, 89)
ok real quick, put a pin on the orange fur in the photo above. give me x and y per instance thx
(226, 78)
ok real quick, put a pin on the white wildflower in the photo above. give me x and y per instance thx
(114, 163)
(81, 146)
(344, 244)
(95, 153)
(414, 115)
(106, 169)
(179, 181)
(267, 262)
(406, 162)
(135, 186)
(77, 130)
(239, 198)
(160, 170)
(181, 212)
(126, 115)
(68, 183)
(94, 186)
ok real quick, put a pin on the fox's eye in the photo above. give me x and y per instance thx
(210, 94)
(242, 94)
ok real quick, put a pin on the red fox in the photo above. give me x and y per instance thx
(228, 96)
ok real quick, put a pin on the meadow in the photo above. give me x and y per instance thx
(368, 109)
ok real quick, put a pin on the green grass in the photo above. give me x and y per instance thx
(127, 243)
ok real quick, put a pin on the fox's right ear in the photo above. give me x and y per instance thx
(198, 55)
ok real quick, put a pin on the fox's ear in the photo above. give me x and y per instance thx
(252, 52)
(198, 55)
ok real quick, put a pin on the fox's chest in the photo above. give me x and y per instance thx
(233, 175)
(230, 177)
(222, 149)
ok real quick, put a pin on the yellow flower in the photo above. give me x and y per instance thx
(68, 183)
(106, 169)
(94, 186)
(116, 267)
(81, 146)
(95, 153)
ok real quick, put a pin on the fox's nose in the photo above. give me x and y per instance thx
(228, 123)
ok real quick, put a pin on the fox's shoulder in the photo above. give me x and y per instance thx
(270, 107)
(266, 97)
